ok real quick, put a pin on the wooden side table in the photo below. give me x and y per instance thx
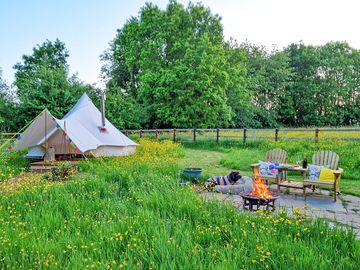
(288, 183)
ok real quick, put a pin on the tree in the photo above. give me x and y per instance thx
(326, 84)
(123, 111)
(42, 81)
(238, 94)
(339, 78)
(6, 105)
(175, 64)
(269, 76)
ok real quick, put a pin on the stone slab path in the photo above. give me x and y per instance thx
(345, 211)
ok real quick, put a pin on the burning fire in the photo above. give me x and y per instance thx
(260, 189)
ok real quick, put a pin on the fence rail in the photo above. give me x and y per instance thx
(218, 134)
(222, 134)
(6, 138)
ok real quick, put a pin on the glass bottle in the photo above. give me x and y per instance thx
(304, 165)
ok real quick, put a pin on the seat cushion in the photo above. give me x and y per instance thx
(268, 168)
(326, 175)
(314, 172)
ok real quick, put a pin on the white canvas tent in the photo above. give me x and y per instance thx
(79, 132)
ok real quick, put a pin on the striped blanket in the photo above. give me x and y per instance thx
(220, 180)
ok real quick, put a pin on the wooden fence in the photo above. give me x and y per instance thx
(6, 139)
(220, 134)
(223, 134)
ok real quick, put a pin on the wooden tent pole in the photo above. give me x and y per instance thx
(45, 132)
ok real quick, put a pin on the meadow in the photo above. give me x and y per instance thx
(129, 213)
(12, 165)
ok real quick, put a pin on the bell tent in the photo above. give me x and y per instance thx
(83, 130)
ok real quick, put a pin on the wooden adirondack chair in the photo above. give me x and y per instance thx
(330, 160)
(275, 155)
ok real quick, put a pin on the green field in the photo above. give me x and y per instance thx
(129, 213)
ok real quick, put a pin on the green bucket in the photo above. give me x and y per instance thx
(192, 173)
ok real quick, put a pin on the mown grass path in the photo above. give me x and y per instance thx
(208, 160)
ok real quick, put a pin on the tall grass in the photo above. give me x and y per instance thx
(12, 165)
(128, 213)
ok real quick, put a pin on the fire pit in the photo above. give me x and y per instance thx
(259, 197)
(253, 203)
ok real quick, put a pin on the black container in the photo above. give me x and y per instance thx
(304, 163)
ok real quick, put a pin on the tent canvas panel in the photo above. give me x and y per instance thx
(36, 131)
(60, 143)
(107, 150)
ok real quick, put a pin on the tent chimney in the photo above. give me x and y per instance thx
(103, 98)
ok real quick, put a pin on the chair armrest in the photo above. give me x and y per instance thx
(302, 170)
(338, 172)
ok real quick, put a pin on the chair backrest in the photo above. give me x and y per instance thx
(326, 158)
(276, 155)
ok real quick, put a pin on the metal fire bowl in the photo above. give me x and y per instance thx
(248, 196)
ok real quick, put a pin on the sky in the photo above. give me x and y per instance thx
(87, 26)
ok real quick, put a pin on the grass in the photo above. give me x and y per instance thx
(12, 165)
(129, 213)
(209, 161)
(235, 155)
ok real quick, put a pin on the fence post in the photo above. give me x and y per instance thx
(140, 133)
(126, 133)
(244, 139)
(174, 135)
(194, 134)
(156, 134)
(276, 134)
(217, 136)
(316, 135)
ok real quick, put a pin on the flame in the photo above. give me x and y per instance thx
(260, 189)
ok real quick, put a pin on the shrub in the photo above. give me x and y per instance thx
(63, 171)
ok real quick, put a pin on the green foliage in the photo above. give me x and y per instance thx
(269, 79)
(12, 165)
(176, 64)
(128, 212)
(302, 86)
(123, 110)
(42, 82)
(6, 105)
(62, 171)
(238, 93)
(3, 102)
(326, 84)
